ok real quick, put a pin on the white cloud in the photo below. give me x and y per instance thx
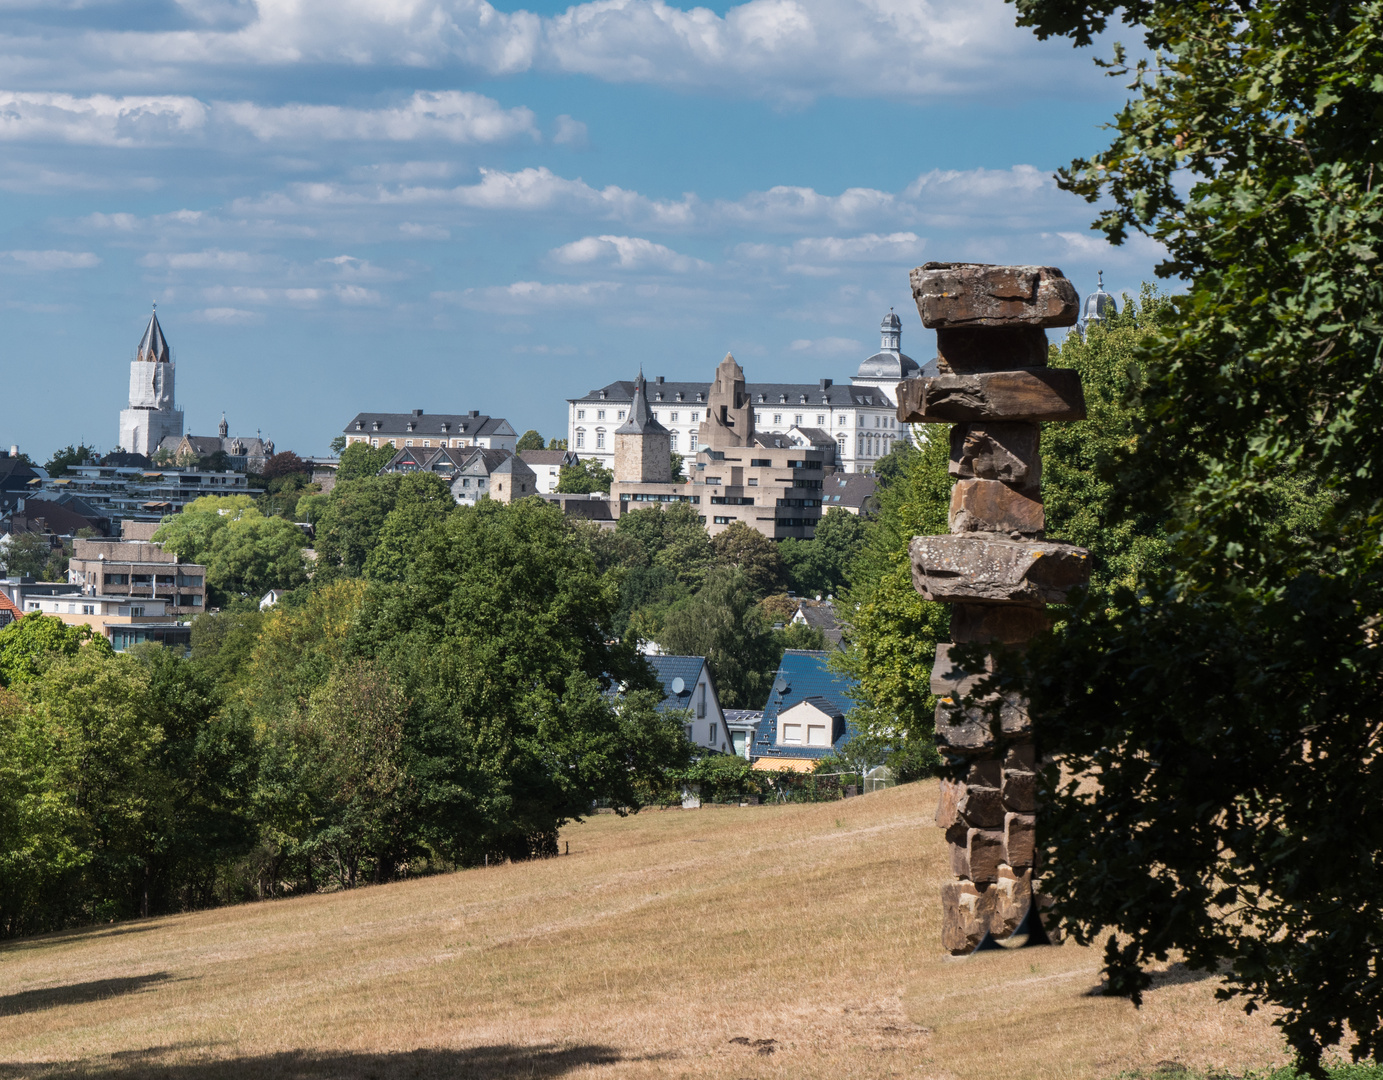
(570, 132)
(524, 297)
(415, 231)
(228, 316)
(829, 346)
(446, 116)
(210, 259)
(625, 253)
(99, 120)
(788, 50)
(53, 260)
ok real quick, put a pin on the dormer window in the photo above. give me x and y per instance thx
(782, 399)
(376, 425)
(360, 425)
(679, 395)
(411, 425)
(602, 395)
(700, 396)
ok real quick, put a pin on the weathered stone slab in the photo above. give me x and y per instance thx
(1007, 624)
(1012, 895)
(961, 733)
(1019, 791)
(985, 774)
(1034, 394)
(978, 857)
(982, 294)
(1019, 841)
(985, 568)
(998, 451)
(982, 807)
(993, 506)
(966, 912)
(990, 348)
(951, 680)
(946, 812)
(1022, 756)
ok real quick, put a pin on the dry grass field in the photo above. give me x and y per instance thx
(775, 941)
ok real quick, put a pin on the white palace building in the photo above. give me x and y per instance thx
(861, 416)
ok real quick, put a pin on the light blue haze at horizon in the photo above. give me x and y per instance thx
(438, 204)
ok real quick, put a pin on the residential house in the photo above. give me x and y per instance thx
(426, 431)
(131, 493)
(474, 473)
(820, 614)
(742, 723)
(137, 569)
(854, 493)
(123, 620)
(805, 718)
(9, 611)
(547, 466)
(16, 478)
(687, 684)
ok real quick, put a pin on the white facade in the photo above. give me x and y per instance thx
(153, 414)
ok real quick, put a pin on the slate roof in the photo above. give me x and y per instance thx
(641, 421)
(549, 457)
(847, 490)
(835, 395)
(806, 678)
(667, 668)
(450, 425)
(817, 437)
(153, 346)
(14, 474)
(821, 614)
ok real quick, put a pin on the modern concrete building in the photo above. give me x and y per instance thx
(427, 431)
(133, 569)
(127, 492)
(153, 415)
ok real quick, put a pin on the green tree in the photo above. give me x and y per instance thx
(360, 460)
(671, 536)
(722, 622)
(1229, 702)
(557, 444)
(584, 478)
(349, 520)
(222, 643)
(675, 461)
(423, 501)
(529, 440)
(751, 551)
(500, 637)
(30, 644)
(245, 553)
(821, 565)
(27, 554)
(338, 444)
(63, 460)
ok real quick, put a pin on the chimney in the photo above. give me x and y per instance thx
(14, 448)
(825, 384)
(475, 412)
(660, 378)
(417, 412)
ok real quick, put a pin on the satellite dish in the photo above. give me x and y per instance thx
(679, 685)
(781, 686)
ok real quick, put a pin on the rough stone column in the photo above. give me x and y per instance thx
(995, 387)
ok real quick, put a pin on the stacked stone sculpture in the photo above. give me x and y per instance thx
(994, 386)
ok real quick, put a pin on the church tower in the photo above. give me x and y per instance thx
(153, 414)
(729, 415)
(643, 447)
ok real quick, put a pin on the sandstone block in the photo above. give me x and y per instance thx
(982, 807)
(1019, 839)
(1012, 895)
(981, 294)
(946, 812)
(1019, 791)
(1022, 757)
(960, 733)
(962, 349)
(974, 567)
(978, 858)
(985, 774)
(951, 679)
(998, 451)
(1034, 394)
(1007, 624)
(993, 506)
(965, 915)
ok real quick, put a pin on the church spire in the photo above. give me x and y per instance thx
(223, 429)
(153, 346)
(641, 420)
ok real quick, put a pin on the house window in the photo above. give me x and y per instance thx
(600, 440)
(619, 415)
(374, 443)
(580, 439)
(792, 733)
(695, 417)
(701, 708)
(427, 442)
(689, 732)
(407, 442)
(816, 735)
(672, 441)
(691, 441)
(797, 419)
(777, 418)
(88, 609)
(674, 417)
(758, 418)
(600, 414)
(581, 414)
(711, 734)
(136, 611)
(465, 483)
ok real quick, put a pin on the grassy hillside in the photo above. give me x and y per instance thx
(793, 941)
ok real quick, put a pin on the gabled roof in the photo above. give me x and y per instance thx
(14, 473)
(8, 611)
(814, 436)
(444, 425)
(765, 395)
(549, 457)
(820, 704)
(804, 676)
(848, 490)
(668, 668)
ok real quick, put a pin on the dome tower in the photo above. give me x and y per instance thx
(1099, 305)
(887, 367)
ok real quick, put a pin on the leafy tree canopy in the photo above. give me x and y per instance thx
(27, 554)
(752, 552)
(821, 565)
(1229, 697)
(285, 463)
(584, 478)
(62, 460)
(360, 460)
(29, 644)
(529, 440)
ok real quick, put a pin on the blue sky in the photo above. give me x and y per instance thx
(346, 205)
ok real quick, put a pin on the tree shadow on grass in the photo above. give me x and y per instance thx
(475, 1063)
(50, 997)
(83, 933)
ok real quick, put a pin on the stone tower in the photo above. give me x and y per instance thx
(729, 415)
(643, 447)
(153, 414)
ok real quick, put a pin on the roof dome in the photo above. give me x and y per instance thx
(889, 362)
(1099, 305)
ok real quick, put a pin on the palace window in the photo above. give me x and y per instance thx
(407, 442)
(672, 441)
(600, 439)
(797, 419)
(580, 439)
(758, 418)
(673, 417)
(777, 418)
(691, 441)
(600, 414)
(820, 419)
(619, 415)
(581, 414)
(695, 417)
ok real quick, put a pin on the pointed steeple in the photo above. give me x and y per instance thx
(641, 421)
(223, 428)
(153, 346)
